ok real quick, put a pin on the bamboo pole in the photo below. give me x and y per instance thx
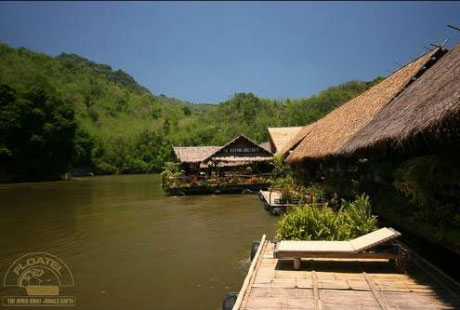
(453, 27)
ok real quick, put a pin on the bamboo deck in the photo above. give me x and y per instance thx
(271, 198)
(346, 284)
(271, 201)
(214, 189)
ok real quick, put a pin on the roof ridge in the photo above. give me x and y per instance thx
(232, 141)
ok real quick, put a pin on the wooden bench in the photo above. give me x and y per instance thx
(375, 245)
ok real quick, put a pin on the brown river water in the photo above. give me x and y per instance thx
(128, 245)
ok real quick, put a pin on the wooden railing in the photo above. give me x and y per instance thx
(206, 177)
(192, 180)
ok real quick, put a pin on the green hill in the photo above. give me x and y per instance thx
(121, 126)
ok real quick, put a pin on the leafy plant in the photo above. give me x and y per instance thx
(319, 222)
(280, 167)
(171, 171)
(431, 184)
(314, 192)
(358, 216)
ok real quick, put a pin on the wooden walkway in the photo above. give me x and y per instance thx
(271, 200)
(344, 284)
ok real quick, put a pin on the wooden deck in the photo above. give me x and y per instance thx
(344, 284)
(271, 200)
(214, 189)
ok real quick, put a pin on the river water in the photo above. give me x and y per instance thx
(128, 245)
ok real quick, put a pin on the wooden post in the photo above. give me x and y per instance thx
(297, 263)
(440, 45)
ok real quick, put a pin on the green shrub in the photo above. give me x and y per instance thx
(314, 192)
(319, 222)
(358, 216)
(171, 171)
(102, 167)
(431, 184)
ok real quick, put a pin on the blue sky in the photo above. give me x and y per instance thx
(205, 51)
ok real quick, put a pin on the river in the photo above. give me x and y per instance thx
(128, 245)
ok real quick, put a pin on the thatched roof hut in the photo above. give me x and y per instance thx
(240, 149)
(194, 154)
(429, 108)
(280, 136)
(327, 136)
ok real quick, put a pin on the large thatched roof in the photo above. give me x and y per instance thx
(327, 135)
(279, 136)
(194, 154)
(423, 108)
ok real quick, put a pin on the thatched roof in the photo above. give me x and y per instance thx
(265, 145)
(280, 136)
(220, 155)
(296, 139)
(327, 135)
(423, 108)
(199, 154)
(194, 154)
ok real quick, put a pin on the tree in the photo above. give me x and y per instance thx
(84, 145)
(38, 139)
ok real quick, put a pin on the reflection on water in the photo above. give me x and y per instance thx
(128, 244)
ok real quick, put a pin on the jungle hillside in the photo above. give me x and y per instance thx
(69, 114)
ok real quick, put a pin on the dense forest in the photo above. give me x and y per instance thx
(67, 113)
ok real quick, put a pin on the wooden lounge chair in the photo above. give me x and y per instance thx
(375, 245)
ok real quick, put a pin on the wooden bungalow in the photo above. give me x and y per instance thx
(327, 136)
(193, 157)
(221, 169)
(280, 136)
(241, 151)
